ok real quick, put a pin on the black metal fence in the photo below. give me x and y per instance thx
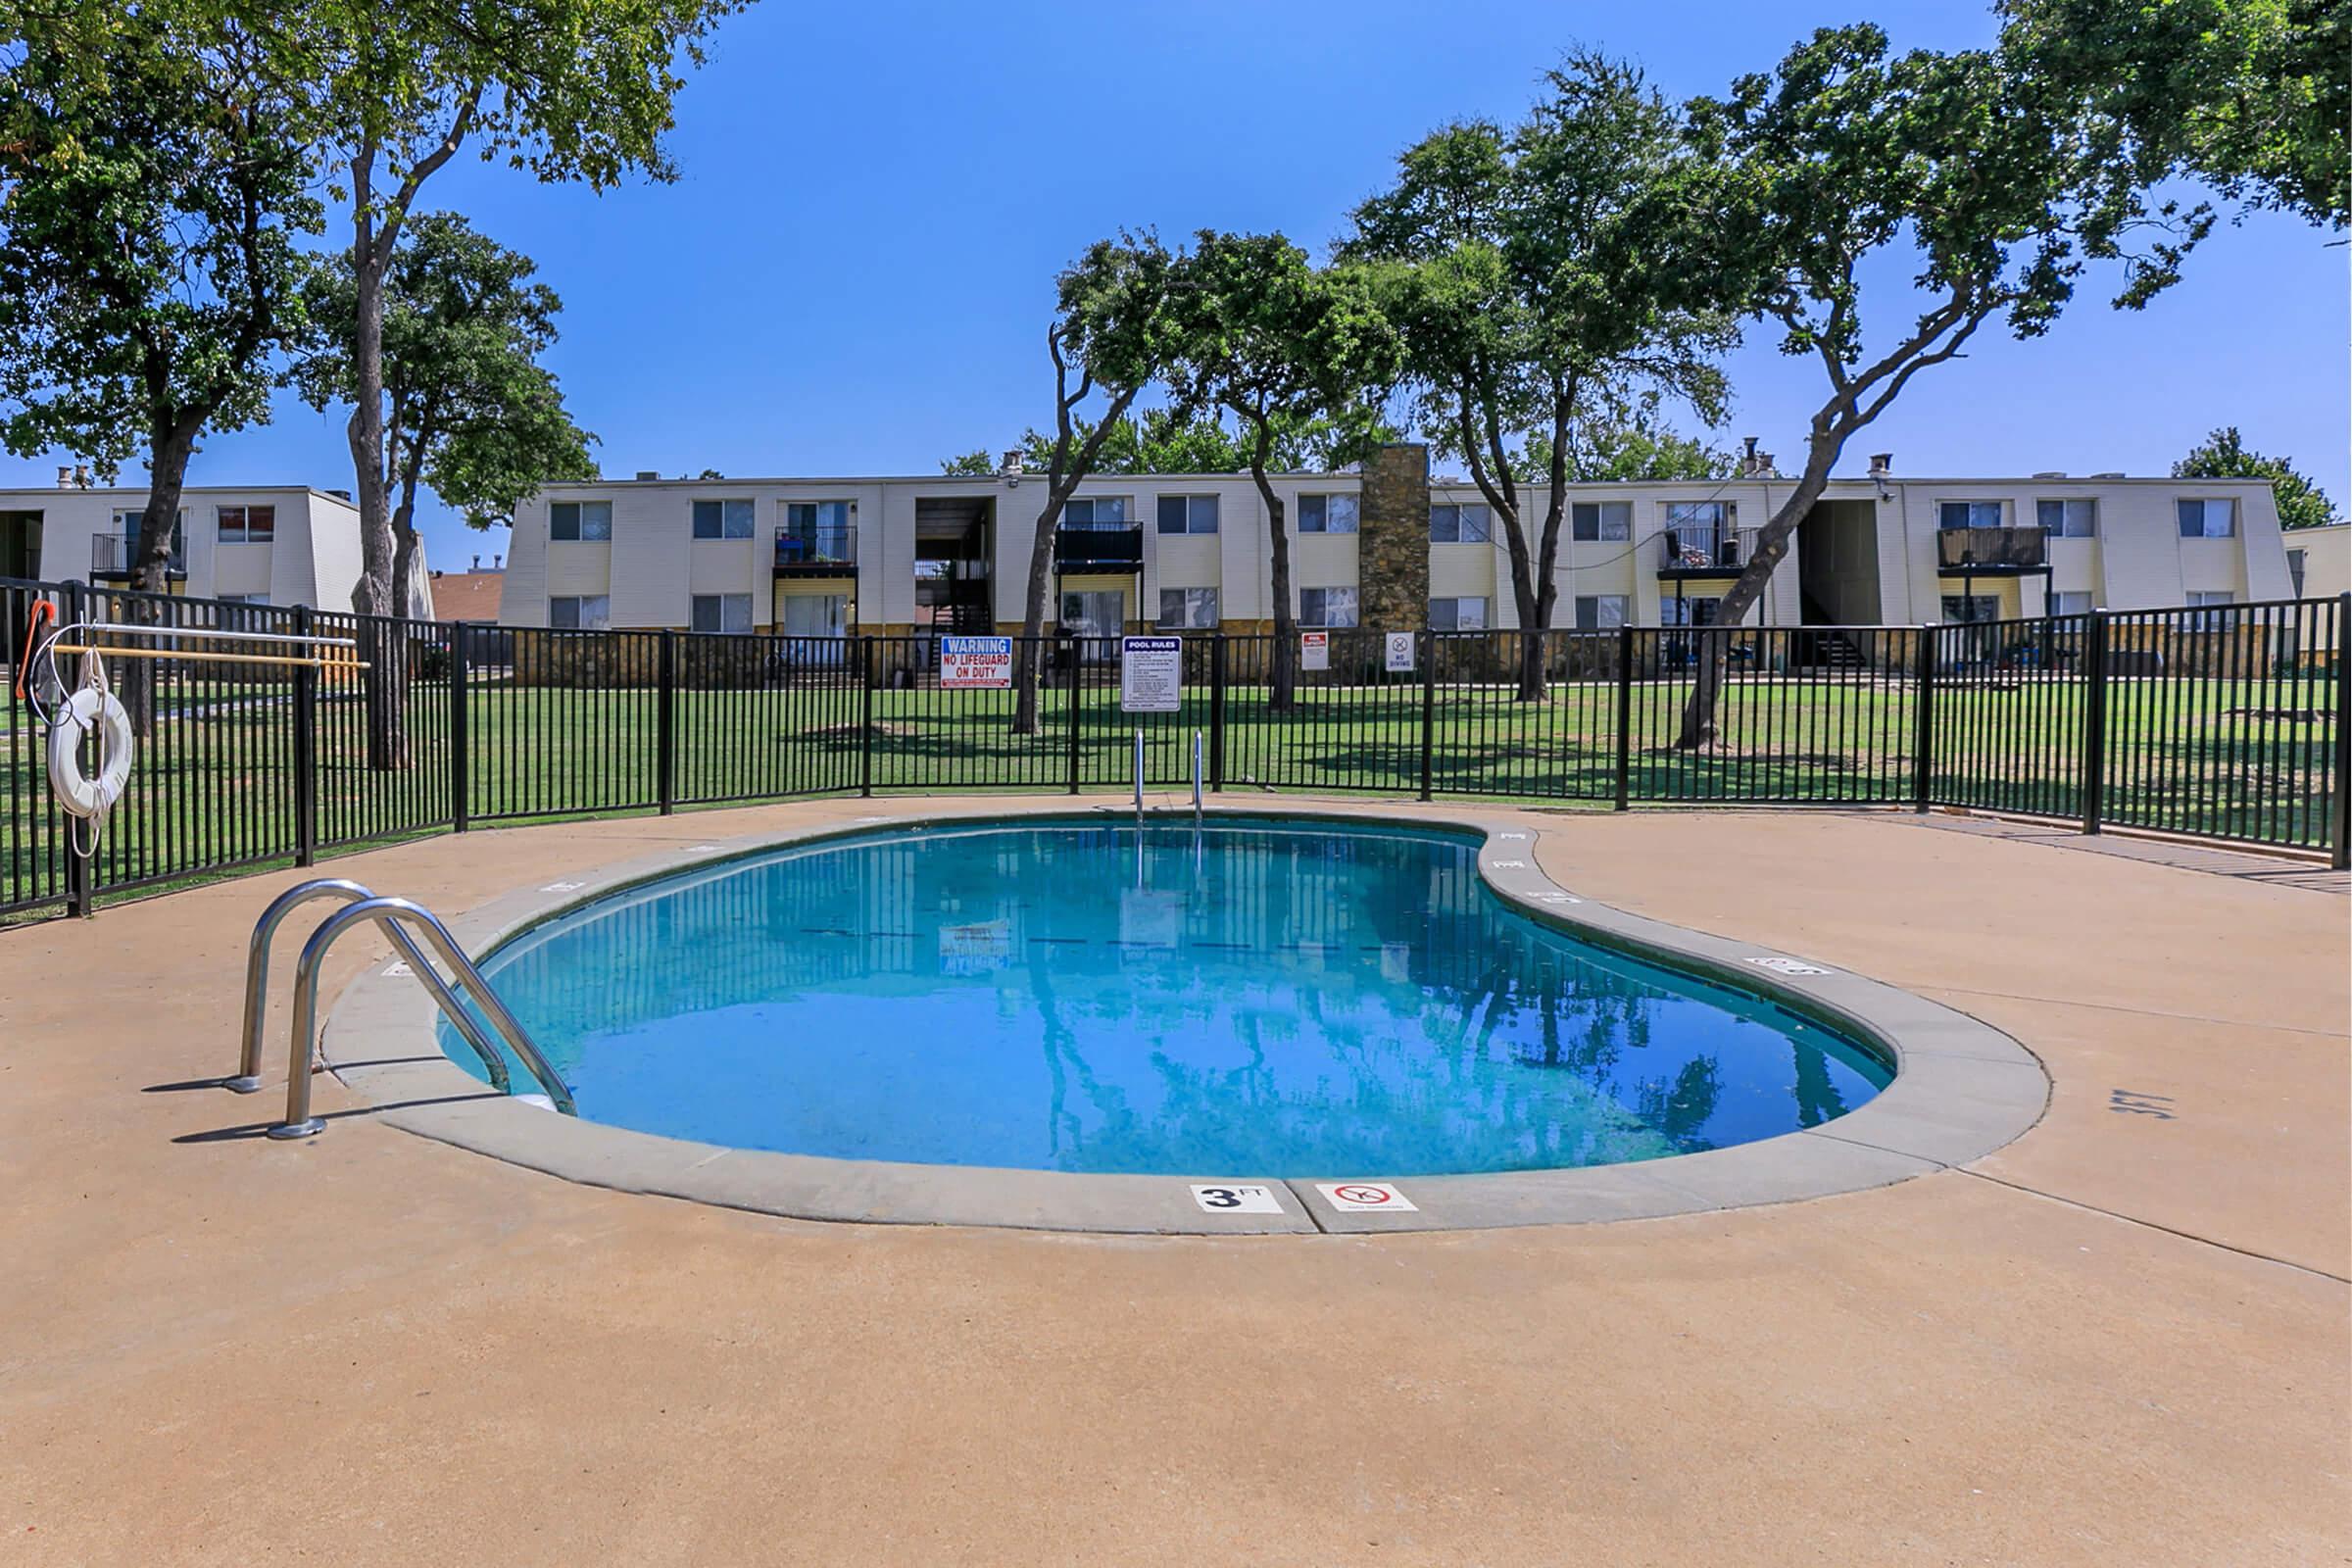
(2223, 723)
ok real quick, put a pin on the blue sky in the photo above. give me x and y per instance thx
(853, 273)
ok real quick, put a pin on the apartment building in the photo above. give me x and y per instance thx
(1385, 547)
(262, 545)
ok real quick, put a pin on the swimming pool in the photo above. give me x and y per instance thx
(1286, 997)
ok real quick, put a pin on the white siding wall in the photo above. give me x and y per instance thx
(653, 564)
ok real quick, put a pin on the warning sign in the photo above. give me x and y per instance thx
(1236, 1198)
(965, 662)
(1400, 653)
(1150, 675)
(1315, 650)
(1365, 1198)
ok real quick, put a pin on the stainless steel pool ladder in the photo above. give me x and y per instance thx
(363, 908)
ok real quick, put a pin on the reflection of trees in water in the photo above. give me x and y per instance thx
(1497, 1038)
(1817, 1097)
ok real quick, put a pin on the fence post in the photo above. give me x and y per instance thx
(1923, 722)
(79, 904)
(865, 721)
(460, 764)
(666, 723)
(2340, 846)
(1624, 715)
(305, 749)
(2094, 723)
(1217, 712)
(1077, 688)
(1429, 707)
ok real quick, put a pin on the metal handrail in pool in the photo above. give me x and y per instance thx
(257, 983)
(388, 913)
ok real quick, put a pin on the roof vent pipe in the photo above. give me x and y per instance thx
(1881, 463)
(64, 476)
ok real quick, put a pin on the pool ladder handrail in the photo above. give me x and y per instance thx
(365, 906)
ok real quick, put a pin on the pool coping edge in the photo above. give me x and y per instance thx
(1962, 1088)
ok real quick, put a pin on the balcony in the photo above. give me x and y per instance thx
(1082, 547)
(112, 555)
(820, 552)
(1700, 553)
(1992, 552)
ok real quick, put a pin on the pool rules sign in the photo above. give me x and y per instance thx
(1150, 675)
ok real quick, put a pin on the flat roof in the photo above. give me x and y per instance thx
(954, 483)
(140, 490)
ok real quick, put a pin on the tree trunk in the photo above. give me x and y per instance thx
(1770, 550)
(167, 452)
(1029, 667)
(376, 592)
(1285, 625)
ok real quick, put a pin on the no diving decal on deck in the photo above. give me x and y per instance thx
(1365, 1198)
(1787, 966)
(1238, 1198)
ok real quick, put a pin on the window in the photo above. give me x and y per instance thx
(1963, 610)
(242, 618)
(583, 613)
(579, 521)
(1188, 514)
(1686, 611)
(1600, 611)
(1699, 517)
(247, 525)
(1098, 612)
(2294, 570)
(126, 528)
(722, 519)
(2070, 602)
(1188, 609)
(1322, 607)
(1108, 512)
(1968, 514)
(1457, 615)
(722, 613)
(2207, 519)
(1327, 514)
(2067, 519)
(1469, 524)
(2211, 622)
(1610, 519)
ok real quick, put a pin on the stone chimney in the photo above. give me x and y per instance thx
(1391, 546)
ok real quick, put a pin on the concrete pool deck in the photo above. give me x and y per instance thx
(2120, 1339)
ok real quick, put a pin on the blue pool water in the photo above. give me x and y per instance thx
(1267, 999)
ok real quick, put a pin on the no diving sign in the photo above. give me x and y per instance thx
(1365, 1198)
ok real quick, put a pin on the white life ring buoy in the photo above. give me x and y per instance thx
(89, 707)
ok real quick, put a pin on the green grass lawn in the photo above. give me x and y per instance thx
(215, 786)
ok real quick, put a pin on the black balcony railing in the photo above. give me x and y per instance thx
(814, 551)
(1991, 549)
(1099, 546)
(1699, 549)
(112, 554)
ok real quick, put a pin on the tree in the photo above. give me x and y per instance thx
(1804, 175)
(469, 409)
(565, 89)
(1263, 334)
(1109, 322)
(153, 192)
(1633, 445)
(1530, 296)
(1165, 440)
(2225, 456)
(2253, 96)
